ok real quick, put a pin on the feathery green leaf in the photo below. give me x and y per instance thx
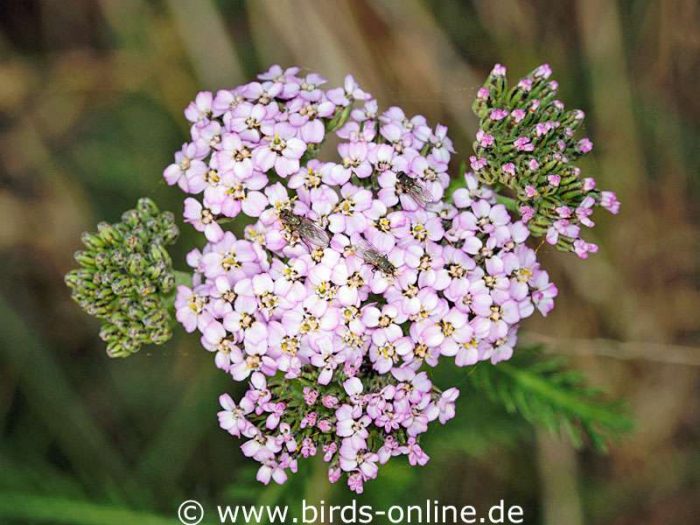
(544, 392)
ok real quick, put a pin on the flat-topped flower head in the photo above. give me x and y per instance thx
(360, 272)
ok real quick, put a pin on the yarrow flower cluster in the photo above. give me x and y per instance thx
(125, 276)
(527, 145)
(353, 276)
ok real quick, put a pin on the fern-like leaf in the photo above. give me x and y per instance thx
(544, 392)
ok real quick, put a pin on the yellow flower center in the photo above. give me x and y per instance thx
(237, 192)
(456, 270)
(230, 261)
(247, 320)
(383, 224)
(387, 351)
(212, 177)
(326, 290)
(308, 324)
(290, 345)
(268, 301)
(419, 232)
(346, 207)
(447, 328)
(197, 303)
(523, 275)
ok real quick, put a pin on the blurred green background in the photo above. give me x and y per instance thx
(91, 100)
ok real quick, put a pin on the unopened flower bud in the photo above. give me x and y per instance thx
(147, 207)
(126, 277)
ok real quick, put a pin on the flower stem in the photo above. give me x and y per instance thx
(510, 203)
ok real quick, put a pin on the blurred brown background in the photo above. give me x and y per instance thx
(91, 100)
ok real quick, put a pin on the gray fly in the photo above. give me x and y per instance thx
(370, 255)
(414, 189)
(305, 229)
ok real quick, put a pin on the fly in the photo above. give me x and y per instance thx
(414, 189)
(305, 229)
(370, 255)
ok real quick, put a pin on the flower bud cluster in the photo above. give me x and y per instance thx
(124, 277)
(352, 275)
(527, 146)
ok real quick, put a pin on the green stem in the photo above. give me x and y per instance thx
(510, 203)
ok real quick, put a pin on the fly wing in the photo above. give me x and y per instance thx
(365, 250)
(419, 193)
(370, 255)
(313, 235)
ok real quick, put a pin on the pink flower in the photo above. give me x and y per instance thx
(234, 195)
(498, 114)
(307, 118)
(543, 71)
(553, 180)
(583, 248)
(348, 216)
(249, 120)
(608, 200)
(281, 151)
(523, 144)
(584, 145)
(235, 156)
(446, 404)
(416, 456)
(203, 219)
(232, 417)
(270, 470)
(498, 70)
(484, 139)
(188, 169)
(200, 110)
